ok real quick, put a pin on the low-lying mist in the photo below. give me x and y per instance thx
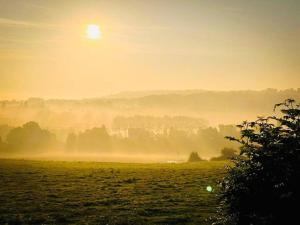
(157, 127)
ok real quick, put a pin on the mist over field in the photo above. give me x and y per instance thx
(156, 126)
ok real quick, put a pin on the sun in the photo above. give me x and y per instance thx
(93, 32)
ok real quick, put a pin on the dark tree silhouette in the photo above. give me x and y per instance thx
(194, 157)
(94, 140)
(263, 185)
(30, 137)
(226, 153)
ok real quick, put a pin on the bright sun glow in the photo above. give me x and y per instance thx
(93, 32)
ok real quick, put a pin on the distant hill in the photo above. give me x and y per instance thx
(140, 94)
(216, 107)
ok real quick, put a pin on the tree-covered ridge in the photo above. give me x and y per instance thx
(213, 107)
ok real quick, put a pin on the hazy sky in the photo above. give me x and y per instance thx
(146, 45)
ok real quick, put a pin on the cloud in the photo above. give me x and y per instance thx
(4, 22)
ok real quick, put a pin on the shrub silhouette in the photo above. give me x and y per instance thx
(194, 157)
(263, 185)
(226, 153)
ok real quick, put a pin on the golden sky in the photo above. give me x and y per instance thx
(146, 45)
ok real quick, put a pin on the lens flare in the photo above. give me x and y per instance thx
(209, 188)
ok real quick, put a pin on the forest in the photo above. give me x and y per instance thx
(172, 142)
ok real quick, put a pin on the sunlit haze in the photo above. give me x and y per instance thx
(149, 112)
(54, 49)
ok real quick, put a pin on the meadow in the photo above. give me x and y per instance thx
(51, 192)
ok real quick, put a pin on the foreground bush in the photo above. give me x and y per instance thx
(263, 186)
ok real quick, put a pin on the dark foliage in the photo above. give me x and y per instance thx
(226, 153)
(141, 140)
(94, 140)
(194, 157)
(30, 137)
(263, 185)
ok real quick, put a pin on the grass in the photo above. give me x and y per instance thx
(40, 192)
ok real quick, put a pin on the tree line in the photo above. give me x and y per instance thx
(30, 137)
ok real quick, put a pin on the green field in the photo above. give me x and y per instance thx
(40, 192)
